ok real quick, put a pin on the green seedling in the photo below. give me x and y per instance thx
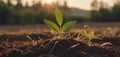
(59, 27)
(90, 36)
(112, 31)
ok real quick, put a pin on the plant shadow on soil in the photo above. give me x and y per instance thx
(40, 46)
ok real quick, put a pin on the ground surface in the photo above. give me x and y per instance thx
(14, 42)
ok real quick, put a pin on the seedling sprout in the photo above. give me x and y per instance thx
(60, 28)
(90, 35)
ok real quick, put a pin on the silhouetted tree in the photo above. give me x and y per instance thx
(116, 11)
(5, 13)
(2, 3)
(104, 11)
(94, 5)
(9, 3)
(57, 3)
(65, 4)
(94, 10)
(34, 6)
(19, 4)
(19, 14)
(27, 5)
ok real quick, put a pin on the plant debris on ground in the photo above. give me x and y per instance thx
(73, 44)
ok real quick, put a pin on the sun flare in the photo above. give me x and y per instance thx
(48, 1)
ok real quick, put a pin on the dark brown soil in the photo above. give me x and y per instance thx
(72, 45)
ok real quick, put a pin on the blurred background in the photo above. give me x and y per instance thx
(22, 12)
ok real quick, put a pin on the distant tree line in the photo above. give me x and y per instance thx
(102, 12)
(19, 14)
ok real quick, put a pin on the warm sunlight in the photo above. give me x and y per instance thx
(48, 1)
(81, 4)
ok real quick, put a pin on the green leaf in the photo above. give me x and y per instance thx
(68, 26)
(59, 17)
(52, 25)
(97, 38)
(86, 34)
(91, 34)
(29, 37)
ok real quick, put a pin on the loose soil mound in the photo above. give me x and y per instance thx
(73, 45)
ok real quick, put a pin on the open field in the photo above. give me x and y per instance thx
(14, 41)
(14, 29)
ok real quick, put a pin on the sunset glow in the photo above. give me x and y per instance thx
(81, 4)
(48, 1)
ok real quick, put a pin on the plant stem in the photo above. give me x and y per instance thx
(89, 43)
(60, 31)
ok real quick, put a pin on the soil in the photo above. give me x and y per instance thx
(15, 43)
(72, 45)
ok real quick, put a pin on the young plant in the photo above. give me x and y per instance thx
(112, 31)
(59, 27)
(90, 36)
